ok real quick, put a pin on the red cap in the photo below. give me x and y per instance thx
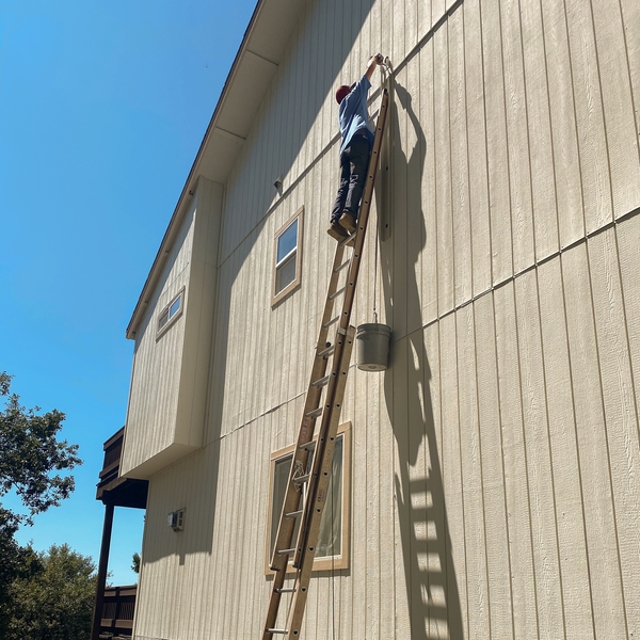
(342, 92)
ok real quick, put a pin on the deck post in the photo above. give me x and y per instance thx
(102, 570)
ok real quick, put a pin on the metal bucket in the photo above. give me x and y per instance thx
(372, 346)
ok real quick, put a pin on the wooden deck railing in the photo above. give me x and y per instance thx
(117, 612)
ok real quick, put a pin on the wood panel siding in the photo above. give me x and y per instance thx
(169, 385)
(494, 464)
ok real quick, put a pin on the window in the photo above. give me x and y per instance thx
(170, 313)
(287, 258)
(332, 550)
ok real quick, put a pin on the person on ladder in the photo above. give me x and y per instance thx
(355, 149)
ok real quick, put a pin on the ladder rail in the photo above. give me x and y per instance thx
(319, 476)
(318, 500)
(347, 306)
(322, 461)
(338, 375)
(314, 394)
(286, 527)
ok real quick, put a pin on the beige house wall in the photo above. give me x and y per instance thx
(168, 396)
(494, 465)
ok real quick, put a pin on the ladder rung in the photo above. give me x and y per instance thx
(332, 321)
(282, 632)
(286, 552)
(322, 381)
(294, 514)
(315, 413)
(300, 479)
(287, 590)
(308, 445)
(337, 293)
(346, 263)
(328, 351)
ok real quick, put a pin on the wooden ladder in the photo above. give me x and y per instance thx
(324, 401)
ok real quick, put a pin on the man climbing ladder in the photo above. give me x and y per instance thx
(355, 149)
(308, 483)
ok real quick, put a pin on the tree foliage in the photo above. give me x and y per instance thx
(135, 562)
(30, 454)
(53, 597)
(31, 459)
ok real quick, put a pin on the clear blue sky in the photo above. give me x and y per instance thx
(103, 106)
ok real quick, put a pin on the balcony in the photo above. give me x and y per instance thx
(112, 489)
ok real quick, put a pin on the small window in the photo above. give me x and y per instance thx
(332, 548)
(287, 258)
(170, 313)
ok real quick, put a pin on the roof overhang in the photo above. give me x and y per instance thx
(253, 69)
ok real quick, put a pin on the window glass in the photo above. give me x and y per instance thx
(287, 241)
(170, 313)
(287, 257)
(286, 273)
(163, 319)
(175, 306)
(280, 477)
(329, 540)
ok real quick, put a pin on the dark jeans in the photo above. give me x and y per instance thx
(354, 162)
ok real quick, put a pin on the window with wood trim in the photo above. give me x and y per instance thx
(333, 542)
(170, 313)
(287, 257)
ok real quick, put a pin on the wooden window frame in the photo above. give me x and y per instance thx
(277, 297)
(173, 319)
(331, 562)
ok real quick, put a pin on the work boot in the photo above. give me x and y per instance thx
(348, 222)
(337, 232)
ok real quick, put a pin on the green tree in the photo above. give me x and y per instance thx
(30, 458)
(135, 562)
(30, 453)
(53, 599)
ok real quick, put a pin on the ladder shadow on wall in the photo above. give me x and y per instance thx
(431, 586)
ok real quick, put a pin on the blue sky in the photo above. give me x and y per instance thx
(103, 106)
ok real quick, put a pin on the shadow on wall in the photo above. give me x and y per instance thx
(431, 585)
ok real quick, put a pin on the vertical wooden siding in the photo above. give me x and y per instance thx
(495, 463)
(153, 400)
(169, 386)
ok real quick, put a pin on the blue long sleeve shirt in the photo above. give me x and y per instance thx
(353, 115)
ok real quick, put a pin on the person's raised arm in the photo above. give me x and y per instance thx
(374, 61)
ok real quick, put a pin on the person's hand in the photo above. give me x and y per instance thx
(374, 61)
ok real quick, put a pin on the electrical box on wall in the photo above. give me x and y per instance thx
(175, 519)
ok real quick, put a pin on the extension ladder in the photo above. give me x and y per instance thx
(312, 484)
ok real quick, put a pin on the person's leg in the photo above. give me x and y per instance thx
(343, 188)
(335, 230)
(359, 163)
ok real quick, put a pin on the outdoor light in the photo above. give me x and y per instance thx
(175, 519)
